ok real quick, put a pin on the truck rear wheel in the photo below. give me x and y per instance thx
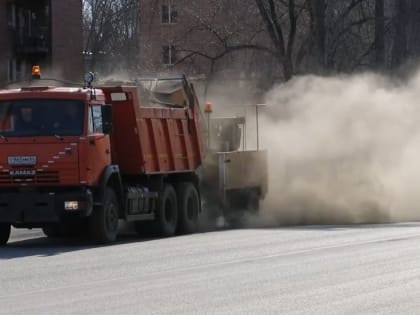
(188, 208)
(167, 212)
(4, 233)
(104, 220)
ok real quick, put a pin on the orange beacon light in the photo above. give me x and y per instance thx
(36, 72)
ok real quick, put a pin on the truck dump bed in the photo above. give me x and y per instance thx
(155, 135)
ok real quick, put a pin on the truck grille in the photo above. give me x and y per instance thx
(45, 177)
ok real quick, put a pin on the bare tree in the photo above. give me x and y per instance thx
(283, 40)
(413, 38)
(222, 36)
(264, 35)
(318, 8)
(220, 44)
(280, 38)
(111, 34)
(379, 34)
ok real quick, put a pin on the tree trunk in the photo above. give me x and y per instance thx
(318, 7)
(288, 69)
(283, 45)
(379, 35)
(399, 51)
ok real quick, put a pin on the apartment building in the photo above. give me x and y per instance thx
(183, 36)
(172, 31)
(44, 32)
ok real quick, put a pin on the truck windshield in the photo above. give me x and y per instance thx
(40, 117)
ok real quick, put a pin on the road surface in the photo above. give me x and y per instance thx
(304, 270)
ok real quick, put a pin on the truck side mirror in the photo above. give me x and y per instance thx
(107, 119)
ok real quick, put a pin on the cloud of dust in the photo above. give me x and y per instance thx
(342, 150)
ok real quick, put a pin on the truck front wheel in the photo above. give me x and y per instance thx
(4, 233)
(188, 208)
(104, 220)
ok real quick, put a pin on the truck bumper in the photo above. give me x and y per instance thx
(35, 208)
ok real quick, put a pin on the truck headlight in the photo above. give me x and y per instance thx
(71, 205)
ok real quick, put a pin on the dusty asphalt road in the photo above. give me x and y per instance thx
(312, 270)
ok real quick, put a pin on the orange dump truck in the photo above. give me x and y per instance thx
(78, 160)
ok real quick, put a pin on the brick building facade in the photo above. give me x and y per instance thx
(44, 32)
(171, 30)
(161, 24)
(183, 36)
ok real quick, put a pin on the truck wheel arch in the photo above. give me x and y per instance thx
(111, 178)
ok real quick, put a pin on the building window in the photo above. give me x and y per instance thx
(11, 15)
(169, 14)
(168, 55)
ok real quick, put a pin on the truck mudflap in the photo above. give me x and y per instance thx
(35, 208)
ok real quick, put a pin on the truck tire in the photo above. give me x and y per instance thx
(104, 220)
(4, 233)
(188, 208)
(167, 212)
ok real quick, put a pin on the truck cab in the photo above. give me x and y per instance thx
(54, 146)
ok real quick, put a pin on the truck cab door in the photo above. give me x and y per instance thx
(97, 146)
